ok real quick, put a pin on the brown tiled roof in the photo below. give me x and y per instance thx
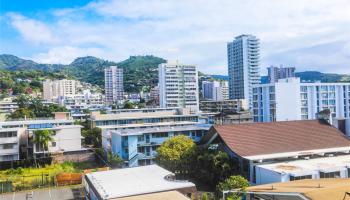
(251, 139)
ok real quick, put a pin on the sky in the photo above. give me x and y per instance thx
(306, 34)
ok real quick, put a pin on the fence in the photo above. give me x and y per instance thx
(17, 182)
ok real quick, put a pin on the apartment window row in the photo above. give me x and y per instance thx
(8, 134)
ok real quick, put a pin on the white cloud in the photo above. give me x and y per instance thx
(196, 31)
(32, 30)
(65, 54)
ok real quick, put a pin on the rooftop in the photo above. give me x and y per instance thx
(313, 189)
(253, 139)
(306, 167)
(138, 115)
(144, 125)
(171, 195)
(134, 181)
(170, 128)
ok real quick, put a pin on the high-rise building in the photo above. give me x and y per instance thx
(243, 66)
(178, 86)
(289, 99)
(215, 90)
(53, 89)
(114, 88)
(275, 73)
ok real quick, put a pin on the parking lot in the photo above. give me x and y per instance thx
(63, 193)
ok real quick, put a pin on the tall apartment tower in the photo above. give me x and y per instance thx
(243, 66)
(275, 73)
(178, 86)
(114, 89)
(53, 89)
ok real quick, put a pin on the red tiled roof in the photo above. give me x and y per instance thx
(251, 139)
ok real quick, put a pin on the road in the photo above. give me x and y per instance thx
(62, 193)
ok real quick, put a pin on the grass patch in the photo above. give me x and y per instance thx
(36, 177)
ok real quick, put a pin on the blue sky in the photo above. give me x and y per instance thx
(310, 35)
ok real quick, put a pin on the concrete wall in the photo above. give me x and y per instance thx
(287, 107)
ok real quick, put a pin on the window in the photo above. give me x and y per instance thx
(8, 134)
(159, 135)
(8, 146)
(294, 178)
(53, 144)
(330, 174)
(140, 138)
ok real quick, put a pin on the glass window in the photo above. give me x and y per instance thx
(330, 174)
(294, 178)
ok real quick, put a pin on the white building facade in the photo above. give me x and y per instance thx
(15, 134)
(53, 89)
(114, 89)
(289, 99)
(178, 86)
(243, 55)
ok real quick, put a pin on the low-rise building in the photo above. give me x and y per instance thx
(138, 145)
(316, 189)
(18, 137)
(218, 106)
(283, 151)
(135, 134)
(132, 182)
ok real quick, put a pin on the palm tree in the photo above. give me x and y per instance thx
(43, 137)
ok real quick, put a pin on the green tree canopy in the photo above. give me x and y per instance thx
(232, 183)
(176, 154)
(43, 137)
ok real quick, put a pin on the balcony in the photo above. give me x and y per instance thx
(10, 140)
(13, 151)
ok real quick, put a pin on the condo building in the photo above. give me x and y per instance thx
(276, 73)
(114, 89)
(53, 89)
(178, 86)
(215, 90)
(290, 99)
(243, 66)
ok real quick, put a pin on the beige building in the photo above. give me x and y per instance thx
(53, 89)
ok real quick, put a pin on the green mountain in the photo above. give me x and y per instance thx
(312, 76)
(11, 62)
(140, 72)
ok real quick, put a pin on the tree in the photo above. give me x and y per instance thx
(213, 166)
(128, 105)
(114, 160)
(176, 154)
(92, 136)
(21, 113)
(232, 183)
(43, 137)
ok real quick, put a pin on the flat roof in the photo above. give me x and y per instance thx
(170, 195)
(39, 121)
(134, 181)
(314, 189)
(138, 115)
(307, 167)
(123, 126)
(170, 128)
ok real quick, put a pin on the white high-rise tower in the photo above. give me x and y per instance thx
(114, 84)
(178, 86)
